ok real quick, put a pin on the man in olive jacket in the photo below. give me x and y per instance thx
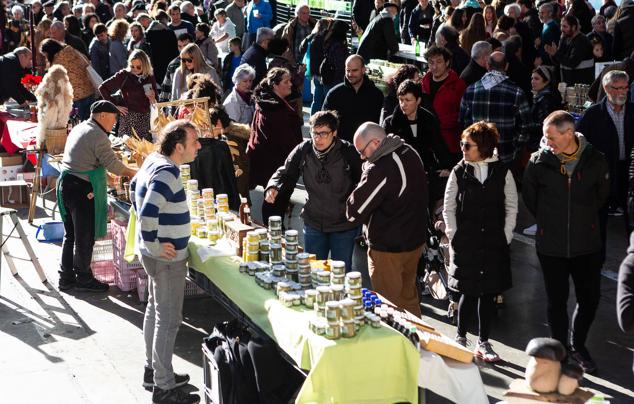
(565, 184)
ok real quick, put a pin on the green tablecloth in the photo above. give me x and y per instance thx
(377, 366)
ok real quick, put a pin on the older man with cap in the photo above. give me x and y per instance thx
(389, 201)
(81, 192)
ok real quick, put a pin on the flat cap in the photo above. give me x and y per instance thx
(103, 106)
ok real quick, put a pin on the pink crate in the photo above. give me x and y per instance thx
(103, 271)
(125, 279)
(118, 238)
(141, 288)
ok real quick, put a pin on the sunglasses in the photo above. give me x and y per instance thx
(136, 67)
(187, 60)
(466, 145)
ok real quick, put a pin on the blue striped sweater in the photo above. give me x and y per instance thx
(159, 199)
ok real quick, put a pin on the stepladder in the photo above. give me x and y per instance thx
(14, 225)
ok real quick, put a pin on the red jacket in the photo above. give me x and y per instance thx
(446, 105)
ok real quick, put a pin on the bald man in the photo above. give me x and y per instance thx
(390, 201)
(356, 100)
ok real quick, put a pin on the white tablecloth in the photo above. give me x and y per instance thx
(456, 381)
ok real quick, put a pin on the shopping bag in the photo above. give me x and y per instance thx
(129, 254)
(94, 77)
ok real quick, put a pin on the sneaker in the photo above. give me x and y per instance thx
(66, 283)
(531, 230)
(484, 351)
(462, 341)
(148, 379)
(173, 396)
(92, 285)
(585, 361)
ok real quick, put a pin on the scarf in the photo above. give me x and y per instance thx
(492, 79)
(323, 177)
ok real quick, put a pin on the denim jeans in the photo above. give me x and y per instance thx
(83, 106)
(163, 316)
(79, 229)
(339, 244)
(318, 96)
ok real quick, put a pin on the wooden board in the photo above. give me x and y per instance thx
(519, 388)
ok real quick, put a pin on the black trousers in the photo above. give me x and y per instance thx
(619, 183)
(485, 305)
(79, 229)
(585, 271)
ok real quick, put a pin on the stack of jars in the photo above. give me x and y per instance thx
(185, 174)
(251, 247)
(275, 229)
(303, 270)
(354, 292)
(290, 255)
(337, 272)
(222, 203)
(193, 194)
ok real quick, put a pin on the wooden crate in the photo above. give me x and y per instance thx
(236, 232)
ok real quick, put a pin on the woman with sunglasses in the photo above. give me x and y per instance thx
(192, 61)
(133, 89)
(275, 130)
(330, 169)
(480, 210)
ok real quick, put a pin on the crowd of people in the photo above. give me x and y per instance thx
(479, 127)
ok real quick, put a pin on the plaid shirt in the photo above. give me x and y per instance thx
(504, 105)
(619, 122)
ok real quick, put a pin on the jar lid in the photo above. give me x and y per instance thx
(353, 275)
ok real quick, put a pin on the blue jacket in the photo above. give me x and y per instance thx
(265, 10)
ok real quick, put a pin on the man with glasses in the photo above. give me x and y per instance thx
(609, 126)
(330, 169)
(390, 201)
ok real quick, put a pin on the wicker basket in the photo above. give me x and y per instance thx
(55, 140)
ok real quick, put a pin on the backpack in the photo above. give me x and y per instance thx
(327, 69)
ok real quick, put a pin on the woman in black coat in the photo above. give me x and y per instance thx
(427, 141)
(546, 100)
(480, 210)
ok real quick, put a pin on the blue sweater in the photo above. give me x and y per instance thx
(159, 199)
(265, 10)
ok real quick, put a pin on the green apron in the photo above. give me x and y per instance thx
(97, 178)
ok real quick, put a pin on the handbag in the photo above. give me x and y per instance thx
(94, 77)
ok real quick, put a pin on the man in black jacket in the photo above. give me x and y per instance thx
(574, 54)
(255, 56)
(625, 291)
(13, 66)
(330, 169)
(609, 126)
(379, 41)
(565, 184)
(390, 201)
(623, 43)
(479, 63)
(356, 100)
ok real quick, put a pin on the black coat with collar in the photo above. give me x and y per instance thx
(599, 129)
(427, 140)
(472, 73)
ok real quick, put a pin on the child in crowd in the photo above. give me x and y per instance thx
(231, 62)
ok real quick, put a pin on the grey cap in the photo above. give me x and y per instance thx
(103, 106)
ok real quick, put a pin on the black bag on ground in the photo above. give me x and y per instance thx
(251, 370)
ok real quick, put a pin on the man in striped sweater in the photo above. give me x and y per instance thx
(162, 233)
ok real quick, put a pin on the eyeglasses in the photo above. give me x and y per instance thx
(619, 88)
(362, 151)
(187, 60)
(320, 135)
(466, 145)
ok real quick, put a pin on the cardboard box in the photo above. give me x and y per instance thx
(7, 159)
(15, 194)
(10, 173)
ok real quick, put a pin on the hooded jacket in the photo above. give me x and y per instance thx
(391, 198)
(566, 206)
(354, 107)
(275, 130)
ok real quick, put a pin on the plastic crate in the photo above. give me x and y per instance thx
(118, 239)
(141, 288)
(103, 271)
(125, 279)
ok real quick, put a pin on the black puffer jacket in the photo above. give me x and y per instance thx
(566, 208)
(328, 182)
(213, 168)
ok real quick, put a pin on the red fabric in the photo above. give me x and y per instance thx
(16, 133)
(447, 107)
